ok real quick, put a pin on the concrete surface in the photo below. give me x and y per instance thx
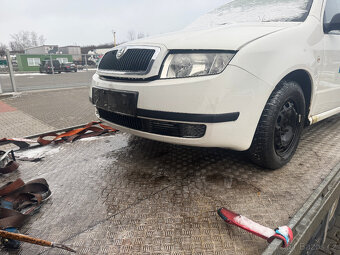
(124, 195)
(31, 113)
(37, 81)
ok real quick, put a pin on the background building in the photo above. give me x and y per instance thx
(31, 62)
(43, 49)
(75, 51)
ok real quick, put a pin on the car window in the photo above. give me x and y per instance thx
(332, 8)
(240, 11)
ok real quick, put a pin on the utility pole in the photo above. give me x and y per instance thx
(52, 64)
(0, 88)
(86, 62)
(11, 73)
(114, 38)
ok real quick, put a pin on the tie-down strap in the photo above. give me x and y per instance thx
(283, 233)
(7, 162)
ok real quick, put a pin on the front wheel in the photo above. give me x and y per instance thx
(279, 129)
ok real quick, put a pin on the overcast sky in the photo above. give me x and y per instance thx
(85, 22)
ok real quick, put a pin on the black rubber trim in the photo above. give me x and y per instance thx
(130, 80)
(189, 117)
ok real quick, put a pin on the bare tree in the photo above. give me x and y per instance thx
(131, 35)
(140, 35)
(34, 39)
(3, 48)
(42, 40)
(25, 39)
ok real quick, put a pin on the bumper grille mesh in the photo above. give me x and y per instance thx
(134, 60)
(154, 126)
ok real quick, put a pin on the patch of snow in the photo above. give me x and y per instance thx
(16, 95)
(244, 221)
(89, 69)
(88, 139)
(241, 11)
(39, 152)
(23, 74)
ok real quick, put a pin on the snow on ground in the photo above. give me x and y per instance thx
(38, 74)
(89, 139)
(240, 11)
(38, 153)
(23, 74)
(43, 151)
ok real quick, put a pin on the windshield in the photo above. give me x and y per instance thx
(240, 11)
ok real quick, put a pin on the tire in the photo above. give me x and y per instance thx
(279, 129)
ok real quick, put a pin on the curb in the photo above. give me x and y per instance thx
(7, 95)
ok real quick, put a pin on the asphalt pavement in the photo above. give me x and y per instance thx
(38, 81)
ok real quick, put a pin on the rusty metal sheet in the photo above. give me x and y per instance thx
(125, 195)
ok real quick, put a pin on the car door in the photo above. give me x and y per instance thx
(328, 90)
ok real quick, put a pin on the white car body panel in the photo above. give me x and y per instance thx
(199, 96)
(231, 37)
(267, 52)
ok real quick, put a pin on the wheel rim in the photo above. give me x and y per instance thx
(286, 128)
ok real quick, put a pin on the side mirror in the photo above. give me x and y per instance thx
(334, 24)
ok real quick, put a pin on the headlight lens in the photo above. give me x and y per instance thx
(183, 65)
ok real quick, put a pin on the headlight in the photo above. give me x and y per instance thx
(181, 65)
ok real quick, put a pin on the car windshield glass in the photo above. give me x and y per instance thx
(240, 11)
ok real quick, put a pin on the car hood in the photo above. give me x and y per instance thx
(226, 37)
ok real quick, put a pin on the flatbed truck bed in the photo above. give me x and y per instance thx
(120, 194)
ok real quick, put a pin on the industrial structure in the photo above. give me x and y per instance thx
(43, 49)
(75, 51)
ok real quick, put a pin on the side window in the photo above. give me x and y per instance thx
(332, 8)
(33, 61)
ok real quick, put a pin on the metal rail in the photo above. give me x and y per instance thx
(306, 221)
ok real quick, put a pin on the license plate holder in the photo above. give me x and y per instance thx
(117, 101)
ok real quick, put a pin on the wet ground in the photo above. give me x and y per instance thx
(125, 195)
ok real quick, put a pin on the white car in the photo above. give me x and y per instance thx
(250, 80)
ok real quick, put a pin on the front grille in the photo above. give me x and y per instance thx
(154, 126)
(134, 60)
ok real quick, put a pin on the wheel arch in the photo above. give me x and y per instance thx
(305, 81)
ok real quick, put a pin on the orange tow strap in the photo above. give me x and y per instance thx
(89, 130)
(79, 133)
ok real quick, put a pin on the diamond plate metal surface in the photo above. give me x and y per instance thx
(125, 195)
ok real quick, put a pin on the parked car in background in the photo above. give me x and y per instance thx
(251, 83)
(46, 67)
(69, 67)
